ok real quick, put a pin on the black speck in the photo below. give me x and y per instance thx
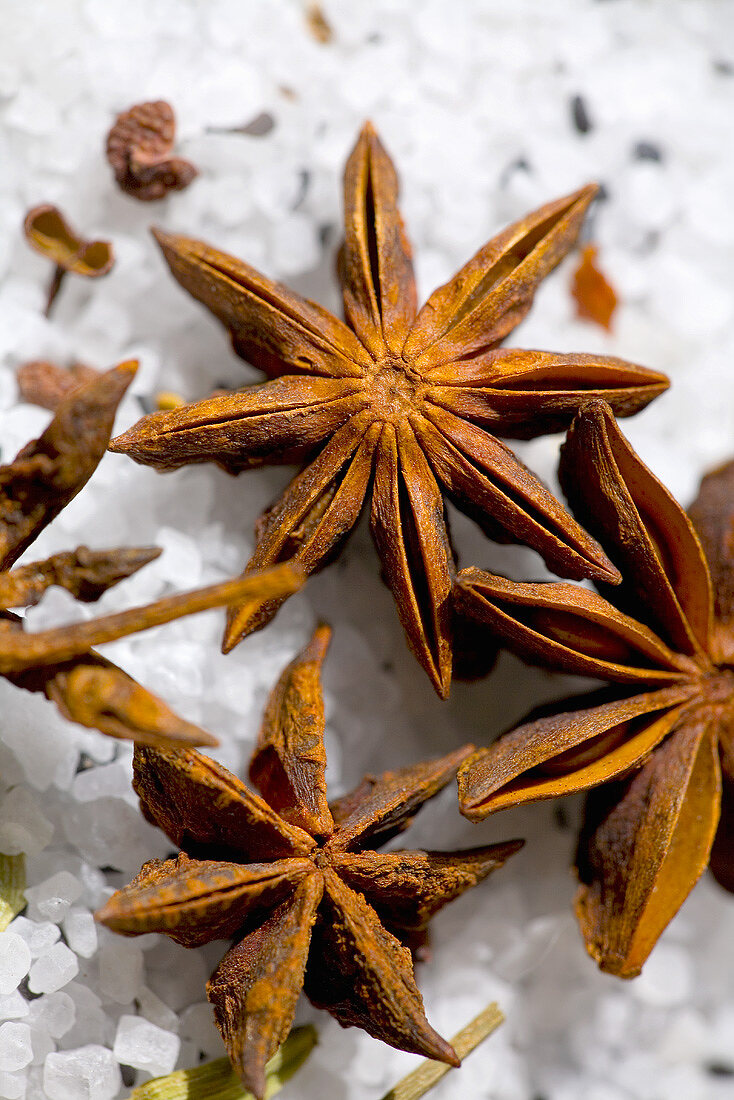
(26, 992)
(647, 150)
(580, 115)
(304, 179)
(387, 666)
(85, 762)
(723, 67)
(719, 1069)
(260, 125)
(561, 818)
(518, 165)
(128, 1076)
(375, 38)
(326, 232)
(109, 870)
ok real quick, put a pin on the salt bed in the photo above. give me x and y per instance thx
(489, 109)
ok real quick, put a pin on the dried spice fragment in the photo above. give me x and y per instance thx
(298, 882)
(140, 150)
(43, 478)
(656, 752)
(48, 232)
(596, 299)
(45, 384)
(318, 24)
(398, 404)
(216, 1081)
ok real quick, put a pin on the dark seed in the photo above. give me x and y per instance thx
(580, 115)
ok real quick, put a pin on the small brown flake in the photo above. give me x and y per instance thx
(318, 24)
(298, 882)
(595, 296)
(45, 384)
(48, 232)
(140, 150)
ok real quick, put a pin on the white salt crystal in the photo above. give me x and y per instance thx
(197, 1024)
(87, 1073)
(14, 1006)
(90, 1022)
(15, 959)
(12, 1086)
(107, 781)
(15, 1047)
(667, 977)
(80, 931)
(156, 1010)
(180, 561)
(41, 1044)
(23, 827)
(39, 736)
(116, 837)
(53, 970)
(295, 245)
(120, 969)
(54, 1011)
(39, 935)
(53, 898)
(141, 1044)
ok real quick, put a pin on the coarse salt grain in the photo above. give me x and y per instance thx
(141, 1044)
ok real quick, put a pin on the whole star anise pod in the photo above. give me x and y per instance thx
(43, 478)
(140, 151)
(653, 749)
(399, 404)
(298, 882)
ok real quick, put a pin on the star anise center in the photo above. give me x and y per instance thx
(393, 388)
(718, 688)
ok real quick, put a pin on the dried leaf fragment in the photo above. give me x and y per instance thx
(298, 884)
(318, 24)
(596, 299)
(140, 150)
(217, 1081)
(12, 887)
(429, 1073)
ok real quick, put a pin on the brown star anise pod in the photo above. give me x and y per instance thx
(653, 749)
(400, 404)
(46, 384)
(43, 478)
(140, 150)
(297, 882)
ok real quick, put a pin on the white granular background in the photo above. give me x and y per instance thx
(475, 101)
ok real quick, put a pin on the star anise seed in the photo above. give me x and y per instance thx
(140, 150)
(297, 882)
(397, 404)
(43, 478)
(658, 750)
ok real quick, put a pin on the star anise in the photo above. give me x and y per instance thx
(654, 749)
(43, 478)
(399, 404)
(297, 882)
